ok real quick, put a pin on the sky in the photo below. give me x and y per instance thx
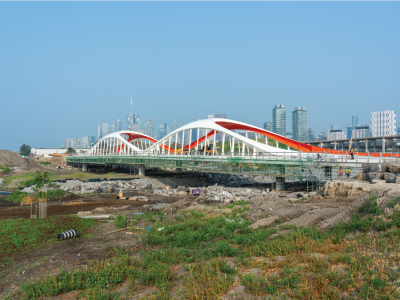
(65, 67)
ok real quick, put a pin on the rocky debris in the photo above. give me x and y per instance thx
(178, 205)
(390, 177)
(391, 167)
(386, 171)
(264, 222)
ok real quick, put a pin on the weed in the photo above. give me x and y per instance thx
(112, 173)
(17, 196)
(120, 221)
(20, 236)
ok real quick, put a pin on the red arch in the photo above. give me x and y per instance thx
(289, 142)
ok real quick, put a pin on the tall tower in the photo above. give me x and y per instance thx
(279, 119)
(300, 124)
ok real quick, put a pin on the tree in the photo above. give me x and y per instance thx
(25, 149)
(71, 150)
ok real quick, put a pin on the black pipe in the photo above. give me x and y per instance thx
(67, 234)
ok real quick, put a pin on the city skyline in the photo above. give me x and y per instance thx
(169, 59)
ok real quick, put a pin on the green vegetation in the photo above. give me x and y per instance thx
(4, 169)
(71, 151)
(120, 221)
(20, 236)
(305, 263)
(17, 196)
(112, 173)
(45, 163)
(25, 149)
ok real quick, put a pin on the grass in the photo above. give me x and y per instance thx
(5, 169)
(20, 236)
(112, 173)
(341, 266)
(120, 221)
(17, 196)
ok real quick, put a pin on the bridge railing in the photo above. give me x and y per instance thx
(264, 156)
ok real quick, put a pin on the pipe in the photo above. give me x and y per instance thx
(67, 234)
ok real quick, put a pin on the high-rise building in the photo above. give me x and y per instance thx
(210, 116)
(105, 128)
(289, 135)
(149, 127)
(99, 132)
(279, 119)
(68, 143)
(268, 126)
(336, 134)
(92, 140)
(362, 131)
(175, 125)
(133, 122)
(383, 123)
(85, 142)
(119, 125)
(300, 124)
(398, 130)
(75, 142)
(112, 128)
(354, 121)
(311, 136)
(161, 130)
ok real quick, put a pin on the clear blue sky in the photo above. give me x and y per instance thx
(66, 67)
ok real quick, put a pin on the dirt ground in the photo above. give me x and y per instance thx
(78, 203)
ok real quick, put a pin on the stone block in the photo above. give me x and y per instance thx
(390, 177)
(182, 193)
(369, 176)
(393, 168)
(371, 167)
(133, 198)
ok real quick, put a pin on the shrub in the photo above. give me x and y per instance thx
(17, 196)
(120, 221)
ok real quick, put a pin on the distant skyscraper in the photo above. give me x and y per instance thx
(161, 130)
(132, 121)
(354, 120)
(383, 123)
(335, 134)
(300, 124)
(175, 125)
(311, 136)
(362, 131)
(398, 130)
(268, 126)
(92, 140)
(149, 127)
(99, 132)
(119, 125)
(112, 128)
(279, 119)
(85, 142)
(210, 116)
(75, 142)
(105, 129)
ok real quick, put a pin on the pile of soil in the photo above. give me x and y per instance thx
(11, 159)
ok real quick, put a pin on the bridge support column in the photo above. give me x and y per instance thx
(383, 145)
(280, 183)
(84, 167)
(141, 170)
(178, 170)
(280, 180)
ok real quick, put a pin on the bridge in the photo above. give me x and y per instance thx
(215, 145)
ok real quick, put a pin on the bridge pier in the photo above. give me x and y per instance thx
(141, 170)
(84, 167)
(178, 170)
(280, 183)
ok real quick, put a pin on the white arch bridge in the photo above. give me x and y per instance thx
(222, 145)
